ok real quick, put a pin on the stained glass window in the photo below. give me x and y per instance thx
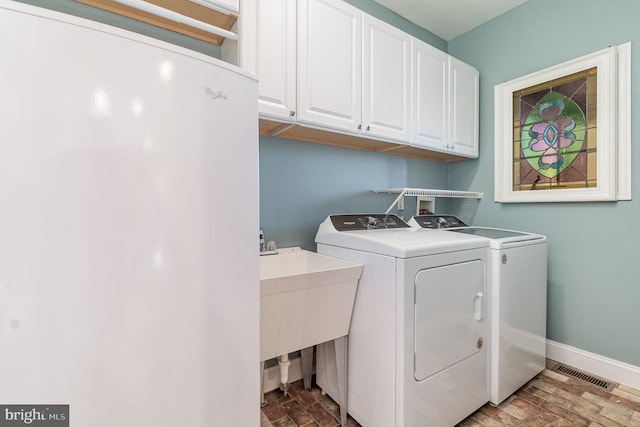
(554, 134)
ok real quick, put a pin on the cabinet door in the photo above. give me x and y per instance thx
(276, 58)
(329, 64)
(386, 80)
(430, 96)
(463, 95)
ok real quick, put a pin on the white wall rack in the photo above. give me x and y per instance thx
(403, 192)
(209, 20)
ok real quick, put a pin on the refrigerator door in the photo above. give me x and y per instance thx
(126, 289)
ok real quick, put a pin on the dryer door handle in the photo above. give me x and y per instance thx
(478, 306)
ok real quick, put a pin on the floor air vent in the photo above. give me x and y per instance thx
(572, 372)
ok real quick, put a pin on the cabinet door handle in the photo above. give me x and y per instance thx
(368, 127)
(292, 113)
(360, 126)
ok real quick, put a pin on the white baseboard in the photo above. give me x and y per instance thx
(601, 366)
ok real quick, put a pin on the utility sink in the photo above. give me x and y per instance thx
(305, 299)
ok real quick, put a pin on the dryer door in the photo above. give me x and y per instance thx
(449, 316)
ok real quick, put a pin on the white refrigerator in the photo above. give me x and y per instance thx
(129, 284)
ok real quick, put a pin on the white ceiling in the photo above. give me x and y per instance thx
(448, 19)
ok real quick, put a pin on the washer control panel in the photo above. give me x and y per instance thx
(367, 222)
(438, 221)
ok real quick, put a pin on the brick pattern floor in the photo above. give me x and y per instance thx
(550, 399)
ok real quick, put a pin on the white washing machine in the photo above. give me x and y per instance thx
(417, 346)
(517, 303)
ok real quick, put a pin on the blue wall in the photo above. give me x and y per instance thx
(302, 183)
(594, 292)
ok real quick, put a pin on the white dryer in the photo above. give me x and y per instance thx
(518, 300)
(417, 346)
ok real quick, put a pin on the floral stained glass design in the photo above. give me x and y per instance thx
(554, 134)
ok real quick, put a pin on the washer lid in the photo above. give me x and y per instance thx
(403, 242)
(501, 237)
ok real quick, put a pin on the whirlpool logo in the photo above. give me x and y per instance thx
(36, 415)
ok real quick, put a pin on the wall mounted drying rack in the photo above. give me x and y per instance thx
(414, 192)
(205, 20)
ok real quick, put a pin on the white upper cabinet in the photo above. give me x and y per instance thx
(277, 58)
(430, 96)
(445, 102)
(329, 64)
(329, 68)
(386, 81)
(354, 73)
(463, 95)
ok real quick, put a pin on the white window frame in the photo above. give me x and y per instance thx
(613, 130)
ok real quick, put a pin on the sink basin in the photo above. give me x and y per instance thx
(305, 299)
